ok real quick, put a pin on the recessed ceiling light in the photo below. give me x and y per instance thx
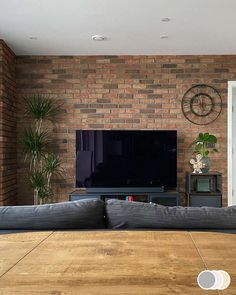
(164, 37)
(98, 38)
(33, 38)
(165, 19)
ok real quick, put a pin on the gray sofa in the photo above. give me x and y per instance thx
(114, 214)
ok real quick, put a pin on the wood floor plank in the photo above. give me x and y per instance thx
(218, 250)
(109, 262)
(14, 246)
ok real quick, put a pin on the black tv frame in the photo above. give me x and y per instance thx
(117, 190)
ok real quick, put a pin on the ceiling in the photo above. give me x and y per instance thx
(65, 27)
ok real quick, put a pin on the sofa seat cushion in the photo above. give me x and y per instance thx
(83, 214)
(121, 214)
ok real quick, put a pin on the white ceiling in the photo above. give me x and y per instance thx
(65, 27)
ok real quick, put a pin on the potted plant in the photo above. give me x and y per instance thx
(43, 163)
(203, 145)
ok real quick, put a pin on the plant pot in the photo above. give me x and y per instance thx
(207, 162)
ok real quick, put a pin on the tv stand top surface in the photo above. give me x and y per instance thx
(120, 190)
(125, 189)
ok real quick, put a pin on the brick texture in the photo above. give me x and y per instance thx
(8, 152)
(123, 92)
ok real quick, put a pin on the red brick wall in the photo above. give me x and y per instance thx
(8, 169)
(124, 92)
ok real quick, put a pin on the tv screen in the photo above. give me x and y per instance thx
(107, 158)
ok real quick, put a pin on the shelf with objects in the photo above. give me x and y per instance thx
(204, 189)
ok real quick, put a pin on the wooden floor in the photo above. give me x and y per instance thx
(113, 262)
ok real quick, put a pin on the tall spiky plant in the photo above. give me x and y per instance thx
(34, 145)
(42, 163)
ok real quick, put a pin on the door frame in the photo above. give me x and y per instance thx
(231, 194)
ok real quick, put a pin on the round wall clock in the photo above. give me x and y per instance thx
(201, 104)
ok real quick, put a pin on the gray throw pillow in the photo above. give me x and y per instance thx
(121, 214)
(84, 214)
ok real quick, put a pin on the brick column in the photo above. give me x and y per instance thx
(8, 155)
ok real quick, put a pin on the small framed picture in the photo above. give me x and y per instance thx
(203, 185)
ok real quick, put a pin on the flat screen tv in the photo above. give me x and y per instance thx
(106, 158)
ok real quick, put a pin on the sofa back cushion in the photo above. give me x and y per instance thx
(121, 214)
(84, 214)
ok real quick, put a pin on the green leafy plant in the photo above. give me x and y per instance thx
(205, 143)
(43, 165)
(38, 183)
(53, 166)
(41, 107)
(34, 144)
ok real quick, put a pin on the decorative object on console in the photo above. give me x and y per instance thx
(43, 163)
(205, 143)
(201, 104)
(197, 164)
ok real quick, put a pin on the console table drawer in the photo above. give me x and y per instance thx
(205, 200)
